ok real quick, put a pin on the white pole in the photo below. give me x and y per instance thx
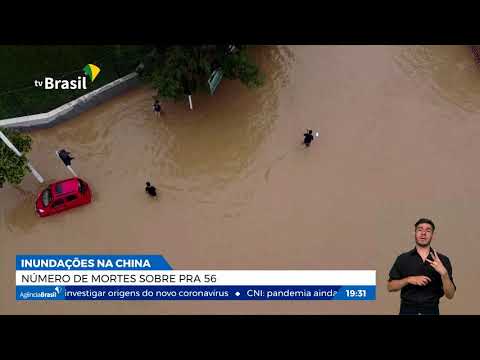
(190, 101)
(9, 144)
(18, 153)
(71, 170)
(35, 173)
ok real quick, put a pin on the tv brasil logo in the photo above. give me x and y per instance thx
(91, 71)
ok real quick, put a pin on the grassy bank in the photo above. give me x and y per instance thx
(20, 66)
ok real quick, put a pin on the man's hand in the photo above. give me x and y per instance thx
(437, 264)
(418, 280)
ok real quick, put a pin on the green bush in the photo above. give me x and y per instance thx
(12, 167)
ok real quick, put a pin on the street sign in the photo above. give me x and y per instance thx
(214, 80)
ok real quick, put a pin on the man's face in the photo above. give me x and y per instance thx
(423, 235)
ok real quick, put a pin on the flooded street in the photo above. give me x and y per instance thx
(399, 129)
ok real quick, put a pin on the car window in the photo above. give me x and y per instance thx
(71, 197)
(58, 203)
(58, 188)
(46, 197)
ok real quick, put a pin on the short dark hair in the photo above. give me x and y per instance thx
(425, 221)
(148, 184)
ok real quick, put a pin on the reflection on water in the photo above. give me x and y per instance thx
(22, 216)
(449, 70)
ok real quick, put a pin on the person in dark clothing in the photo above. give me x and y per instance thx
(65, 157)
(151, 190)
(422, 275)
(156, 107)
(308, 138)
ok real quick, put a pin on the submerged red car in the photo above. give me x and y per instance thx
(63, 195)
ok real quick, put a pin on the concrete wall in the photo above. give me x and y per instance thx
(73, 108)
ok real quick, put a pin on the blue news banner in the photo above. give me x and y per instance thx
(34, 264)
(195, 293)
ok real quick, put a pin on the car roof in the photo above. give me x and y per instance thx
(65, 187)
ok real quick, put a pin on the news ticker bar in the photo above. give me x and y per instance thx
(238, 293)
(196, 278)
(196, 285)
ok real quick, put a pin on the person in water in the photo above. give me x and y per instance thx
(157, 108)
(151, 190)
(308, 138)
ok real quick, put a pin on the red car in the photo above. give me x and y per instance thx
(63, 195)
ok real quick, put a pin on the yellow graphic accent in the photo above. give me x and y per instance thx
(91, 71)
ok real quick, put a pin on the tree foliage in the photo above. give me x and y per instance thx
(12, 167)
(182, 70)
(239, 66)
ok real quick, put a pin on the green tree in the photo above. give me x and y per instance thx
(239, 66)
(185, 69)
(12, 167)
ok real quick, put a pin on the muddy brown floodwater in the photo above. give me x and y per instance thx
(399, 139)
